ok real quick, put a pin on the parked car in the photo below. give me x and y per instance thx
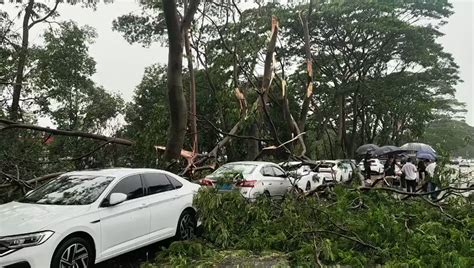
(251, 178)
(464, 163)
(86, 217)
(334, 171)
(303, 175)
(376, 166)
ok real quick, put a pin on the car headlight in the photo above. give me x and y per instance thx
(25, 240)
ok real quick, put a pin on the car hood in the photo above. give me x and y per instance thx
(20, 218)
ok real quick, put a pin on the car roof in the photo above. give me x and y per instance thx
(113, 172)
(259, 163)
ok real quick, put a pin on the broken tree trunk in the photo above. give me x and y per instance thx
(292, 125)
(309, 69)
(177, 101)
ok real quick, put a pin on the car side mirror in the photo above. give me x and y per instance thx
(117, 198)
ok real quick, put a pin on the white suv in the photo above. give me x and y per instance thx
(258, 178)
(86, 217)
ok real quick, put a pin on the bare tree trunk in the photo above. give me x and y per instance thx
(268, 75)
(309, 70)
(269, 67)
(342, 124)
(176, 98)
(252, 145)
(292, 125)
(354, 125)
(28, 23)
(19, 76)
(192, 94)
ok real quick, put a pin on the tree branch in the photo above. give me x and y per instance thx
(36, 180)
(51, 12)
(15, 125)
(188, 17)
(233, 135)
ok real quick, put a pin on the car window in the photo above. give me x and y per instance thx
(131, 186)
(243, 168)
(157, 183)
(278, 172)
(177, 184)
(267, 171)
(69, 190)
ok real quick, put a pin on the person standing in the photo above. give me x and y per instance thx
(367, 165)
(402, 176)
(389, 167)
(411, 175)
(430, 174)
(422, 173)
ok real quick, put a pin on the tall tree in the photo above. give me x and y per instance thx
(31, 17)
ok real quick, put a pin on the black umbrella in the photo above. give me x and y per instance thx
(366, 148)
(388, 150)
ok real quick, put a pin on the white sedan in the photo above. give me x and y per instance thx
(86, 217)
(334, 171)
(251, 178)
(376, 166)
(303, 175)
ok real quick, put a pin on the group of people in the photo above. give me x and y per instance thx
(423, 173)
(413, 173)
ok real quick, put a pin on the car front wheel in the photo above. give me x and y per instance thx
(76, 252)
(186, 226)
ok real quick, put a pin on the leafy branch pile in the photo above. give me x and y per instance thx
(342, 226)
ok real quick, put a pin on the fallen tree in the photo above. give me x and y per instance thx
(8, 124)
(341, 225)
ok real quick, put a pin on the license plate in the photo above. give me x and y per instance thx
(225, 187)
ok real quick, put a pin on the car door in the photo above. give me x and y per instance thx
(163, 200)
(125, 225)
(281, 181)
(271, 185)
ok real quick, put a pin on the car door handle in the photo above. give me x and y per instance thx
(142, 206)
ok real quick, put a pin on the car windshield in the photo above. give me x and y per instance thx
(327, 165)
(69, 190)
(241, 168)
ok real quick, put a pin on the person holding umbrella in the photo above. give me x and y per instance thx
(411, 175)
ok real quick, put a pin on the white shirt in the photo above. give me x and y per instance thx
(410, 171)
(430, 169)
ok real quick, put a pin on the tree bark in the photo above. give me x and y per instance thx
(19, 75)
(176, 98)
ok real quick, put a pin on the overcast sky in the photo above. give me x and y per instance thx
(120, 65)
